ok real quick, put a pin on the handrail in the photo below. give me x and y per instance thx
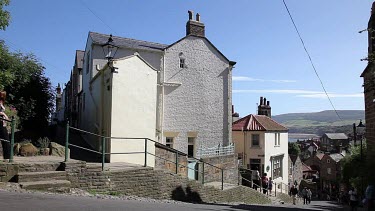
(13, 126)
(103, 153)
(3, 119)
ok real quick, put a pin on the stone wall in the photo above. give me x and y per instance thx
(166, 158)
(9, 170)
(158, 184)
(226, 162)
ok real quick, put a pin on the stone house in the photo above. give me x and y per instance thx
(369, 92)
(295, 169)
(334, 142)
(262, 143)
(187, 106)
(330, 172)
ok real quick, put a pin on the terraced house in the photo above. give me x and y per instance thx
(178, 94)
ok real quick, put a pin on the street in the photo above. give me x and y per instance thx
(38, 201)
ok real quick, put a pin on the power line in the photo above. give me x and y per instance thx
(311, 62)
(97, 16)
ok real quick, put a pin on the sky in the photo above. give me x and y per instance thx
(257, 34)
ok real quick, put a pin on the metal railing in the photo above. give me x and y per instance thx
(13, 126)
(103, 152)
(216, 151)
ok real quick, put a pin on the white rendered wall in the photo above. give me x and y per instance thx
(201, 104)
(271, 150)
(133, 110)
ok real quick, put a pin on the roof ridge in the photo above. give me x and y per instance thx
(128, 38)
(273, 121)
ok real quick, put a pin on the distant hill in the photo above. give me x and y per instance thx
(321, 122)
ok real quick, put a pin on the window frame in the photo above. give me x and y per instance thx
(191, 142)
(182, 63)
(252, 140)
(169, 143)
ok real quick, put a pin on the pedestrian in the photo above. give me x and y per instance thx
(255, 177)
(353, 199)
(3, 127)
(293, 193)
(265, 183)
(370, 197)
(270, 184)
(309, 195)
(304, 195)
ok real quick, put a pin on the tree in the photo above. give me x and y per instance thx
(4, 15)
(293, 149)
(29, 91)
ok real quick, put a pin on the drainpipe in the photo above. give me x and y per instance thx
(162, 99)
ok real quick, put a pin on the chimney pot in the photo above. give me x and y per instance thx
(198, 17)
(268, 103)
(190, 14)
(264, 101)
(261, 101)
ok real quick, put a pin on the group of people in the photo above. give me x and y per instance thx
(306, 194)
(264, 182)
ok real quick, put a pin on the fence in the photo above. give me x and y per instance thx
(216, 151)
(103, 152)
(13, 125)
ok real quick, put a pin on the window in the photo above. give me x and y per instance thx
(328, 161)
(255, 140)
(169, 142)
(277, 139)
(277, 164)
(328, 170)
(88, 62)
(191, 150)
(182, 63)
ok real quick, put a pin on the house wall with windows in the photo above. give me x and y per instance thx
(247, 149)
(197, 104)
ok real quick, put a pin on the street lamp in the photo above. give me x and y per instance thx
(360, 127)
(109, 51)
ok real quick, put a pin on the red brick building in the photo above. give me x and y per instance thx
(369, 91)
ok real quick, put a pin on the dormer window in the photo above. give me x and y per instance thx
(182, 63)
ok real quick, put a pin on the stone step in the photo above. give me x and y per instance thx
(45, 185)
(40, 176)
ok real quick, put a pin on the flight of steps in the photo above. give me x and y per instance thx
(45, 180)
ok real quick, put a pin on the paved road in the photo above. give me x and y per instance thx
(35, 201)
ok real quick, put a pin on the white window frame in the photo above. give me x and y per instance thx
(191, 142)
(169, 141)
(329, 171)
(182, 63)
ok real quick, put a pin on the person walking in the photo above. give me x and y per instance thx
(269, 186)
(293, 193)
(353, 199)
(370, 197)
(3, 127)
(255, 177)
(265, 183)
(304, 195)
(309, 195)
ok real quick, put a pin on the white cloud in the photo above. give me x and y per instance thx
(332, 95)
(245, 78)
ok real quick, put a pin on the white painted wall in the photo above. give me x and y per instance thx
(202, 103)
(134, 91)
(271, 149)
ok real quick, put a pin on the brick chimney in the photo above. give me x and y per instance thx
(194, 27)
(264, 107)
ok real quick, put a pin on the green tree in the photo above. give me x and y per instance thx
(293, 149)
(4, 15)
(29, 91)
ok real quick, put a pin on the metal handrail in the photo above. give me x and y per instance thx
(3, 119)
(103, 153)
(13, 126)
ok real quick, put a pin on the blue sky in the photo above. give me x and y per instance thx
(257, 34)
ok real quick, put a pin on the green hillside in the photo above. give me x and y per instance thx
(323, 118)
(321, 122)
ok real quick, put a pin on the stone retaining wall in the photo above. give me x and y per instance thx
(227, 162)
(164, 157)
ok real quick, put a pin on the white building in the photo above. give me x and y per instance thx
(187, 105)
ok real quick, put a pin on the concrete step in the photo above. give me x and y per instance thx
(45, 185)
(40, 176)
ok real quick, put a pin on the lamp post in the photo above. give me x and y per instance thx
(109, 51)
(361, 127)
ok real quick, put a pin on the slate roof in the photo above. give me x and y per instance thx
(306, 167)
(257, 123)
(336, 136)
(336, 157)
(79, 58)
(320, 155)
(127, 42)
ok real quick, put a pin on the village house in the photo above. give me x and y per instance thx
(179, 94)
(334, 142)
(369, 92)
(262, 143)
(295, 170)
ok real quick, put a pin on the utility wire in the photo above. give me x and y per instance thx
(311, 62)
(83, 3)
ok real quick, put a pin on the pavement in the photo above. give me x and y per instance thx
(14, 201)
